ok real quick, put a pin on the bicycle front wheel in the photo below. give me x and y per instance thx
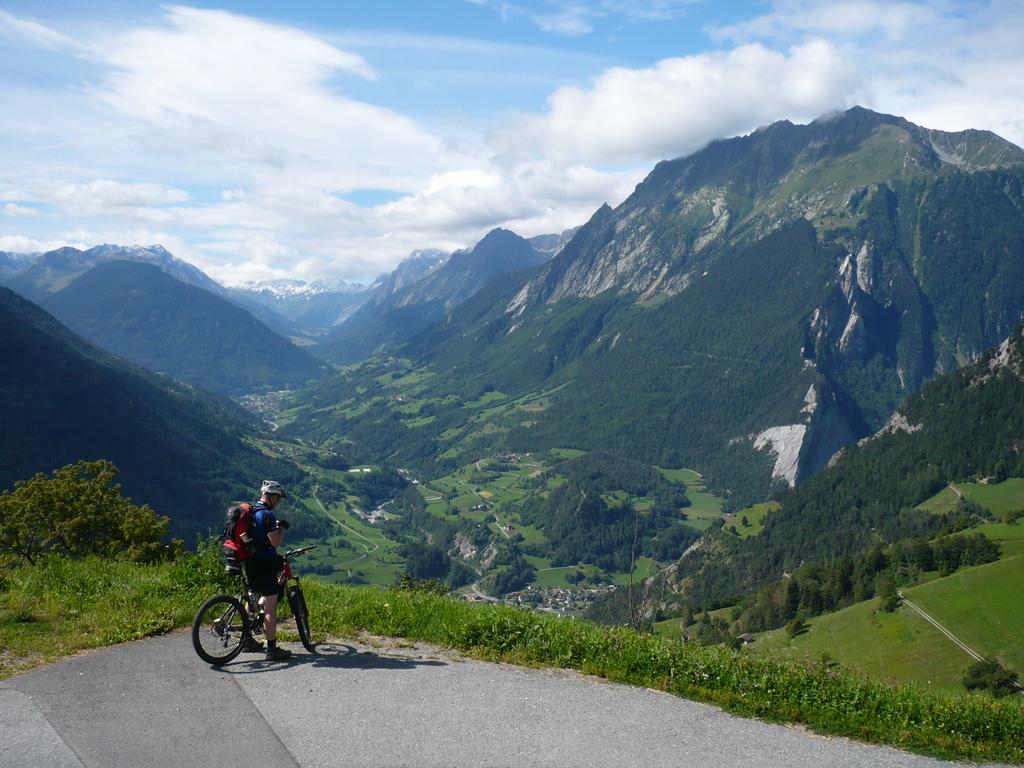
(297, 601)
(219, 629)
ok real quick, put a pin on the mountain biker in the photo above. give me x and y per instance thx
(263, 569)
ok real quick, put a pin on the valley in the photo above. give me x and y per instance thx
(766, 390)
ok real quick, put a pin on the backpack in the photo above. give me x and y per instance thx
(238, 539)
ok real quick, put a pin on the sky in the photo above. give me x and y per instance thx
(267, 140)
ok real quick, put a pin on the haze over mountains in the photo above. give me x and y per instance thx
(178, 449)
(398, 313)
(139, 312)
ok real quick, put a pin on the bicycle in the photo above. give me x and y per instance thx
(225, 623)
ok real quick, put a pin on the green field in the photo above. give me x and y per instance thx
(942, 502)
(367, 554)
(977, 604)
(890, 646)
(997, 498)
(1009, 536)
(755, 517)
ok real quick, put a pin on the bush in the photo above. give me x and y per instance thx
(796, 627)
(990, 675)
(76, 512)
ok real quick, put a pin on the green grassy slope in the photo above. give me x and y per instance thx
(891, 646)
(980, 605)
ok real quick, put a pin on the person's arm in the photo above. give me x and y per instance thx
(275, 529)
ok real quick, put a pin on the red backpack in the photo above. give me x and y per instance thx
(238, 537)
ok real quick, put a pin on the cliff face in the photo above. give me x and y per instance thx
(927, 259)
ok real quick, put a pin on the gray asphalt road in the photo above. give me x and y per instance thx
(154, 703)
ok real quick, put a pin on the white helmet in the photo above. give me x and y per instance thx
(272, 486)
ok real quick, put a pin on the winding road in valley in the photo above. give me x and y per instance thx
(368, 544)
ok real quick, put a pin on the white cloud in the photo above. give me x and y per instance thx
(101, 194)
(846, 18)
(14, 210)
(680, 104)
(23, 244)
(34, 33)
(940, 64)
(572, 21)
(239, 90)
(573, 18)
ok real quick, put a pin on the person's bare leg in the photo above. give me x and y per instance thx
(270, 617)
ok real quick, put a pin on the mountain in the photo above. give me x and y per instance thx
(397, 313)
(415, 266)
(749, 310)
(13, 263)
(552, 243)
(138, 312)
(179, 450)
(309, 307)
(55, 269)
(960, 425)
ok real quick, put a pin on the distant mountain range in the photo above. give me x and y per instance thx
(13, 263)
(142, 314)
(401, 307)
(310, 308)
(178, 449)
(49, 272)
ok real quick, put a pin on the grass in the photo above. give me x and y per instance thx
(1010, 537)
(755, 517)
(997, 498)
(942, 502)
(977, 604)
(65, 606)
(980, 606)
(898, 646)
(44, 609)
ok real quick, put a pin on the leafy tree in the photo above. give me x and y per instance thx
(796, 627)
(989, 674)
(79, 511)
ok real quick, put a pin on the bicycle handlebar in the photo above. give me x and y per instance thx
(299, 551)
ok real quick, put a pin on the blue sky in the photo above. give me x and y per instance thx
(264, 140)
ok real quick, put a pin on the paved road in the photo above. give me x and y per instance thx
(154, 703)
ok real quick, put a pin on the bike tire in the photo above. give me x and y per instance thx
(297, 601)
(220, 629)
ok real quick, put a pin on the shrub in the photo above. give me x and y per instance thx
(989, 674)
(796, 627)
(77, 511)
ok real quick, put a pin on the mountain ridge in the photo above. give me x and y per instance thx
(141, 313)
(390, 318)
(179, 449)
(805, 278)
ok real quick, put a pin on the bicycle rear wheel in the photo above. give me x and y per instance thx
(220, 629)
(297, 601)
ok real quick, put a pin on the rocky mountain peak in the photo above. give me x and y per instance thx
(690, 211)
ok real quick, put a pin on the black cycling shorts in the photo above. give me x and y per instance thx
(261, 575)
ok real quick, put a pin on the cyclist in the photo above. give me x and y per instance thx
(263, 569)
